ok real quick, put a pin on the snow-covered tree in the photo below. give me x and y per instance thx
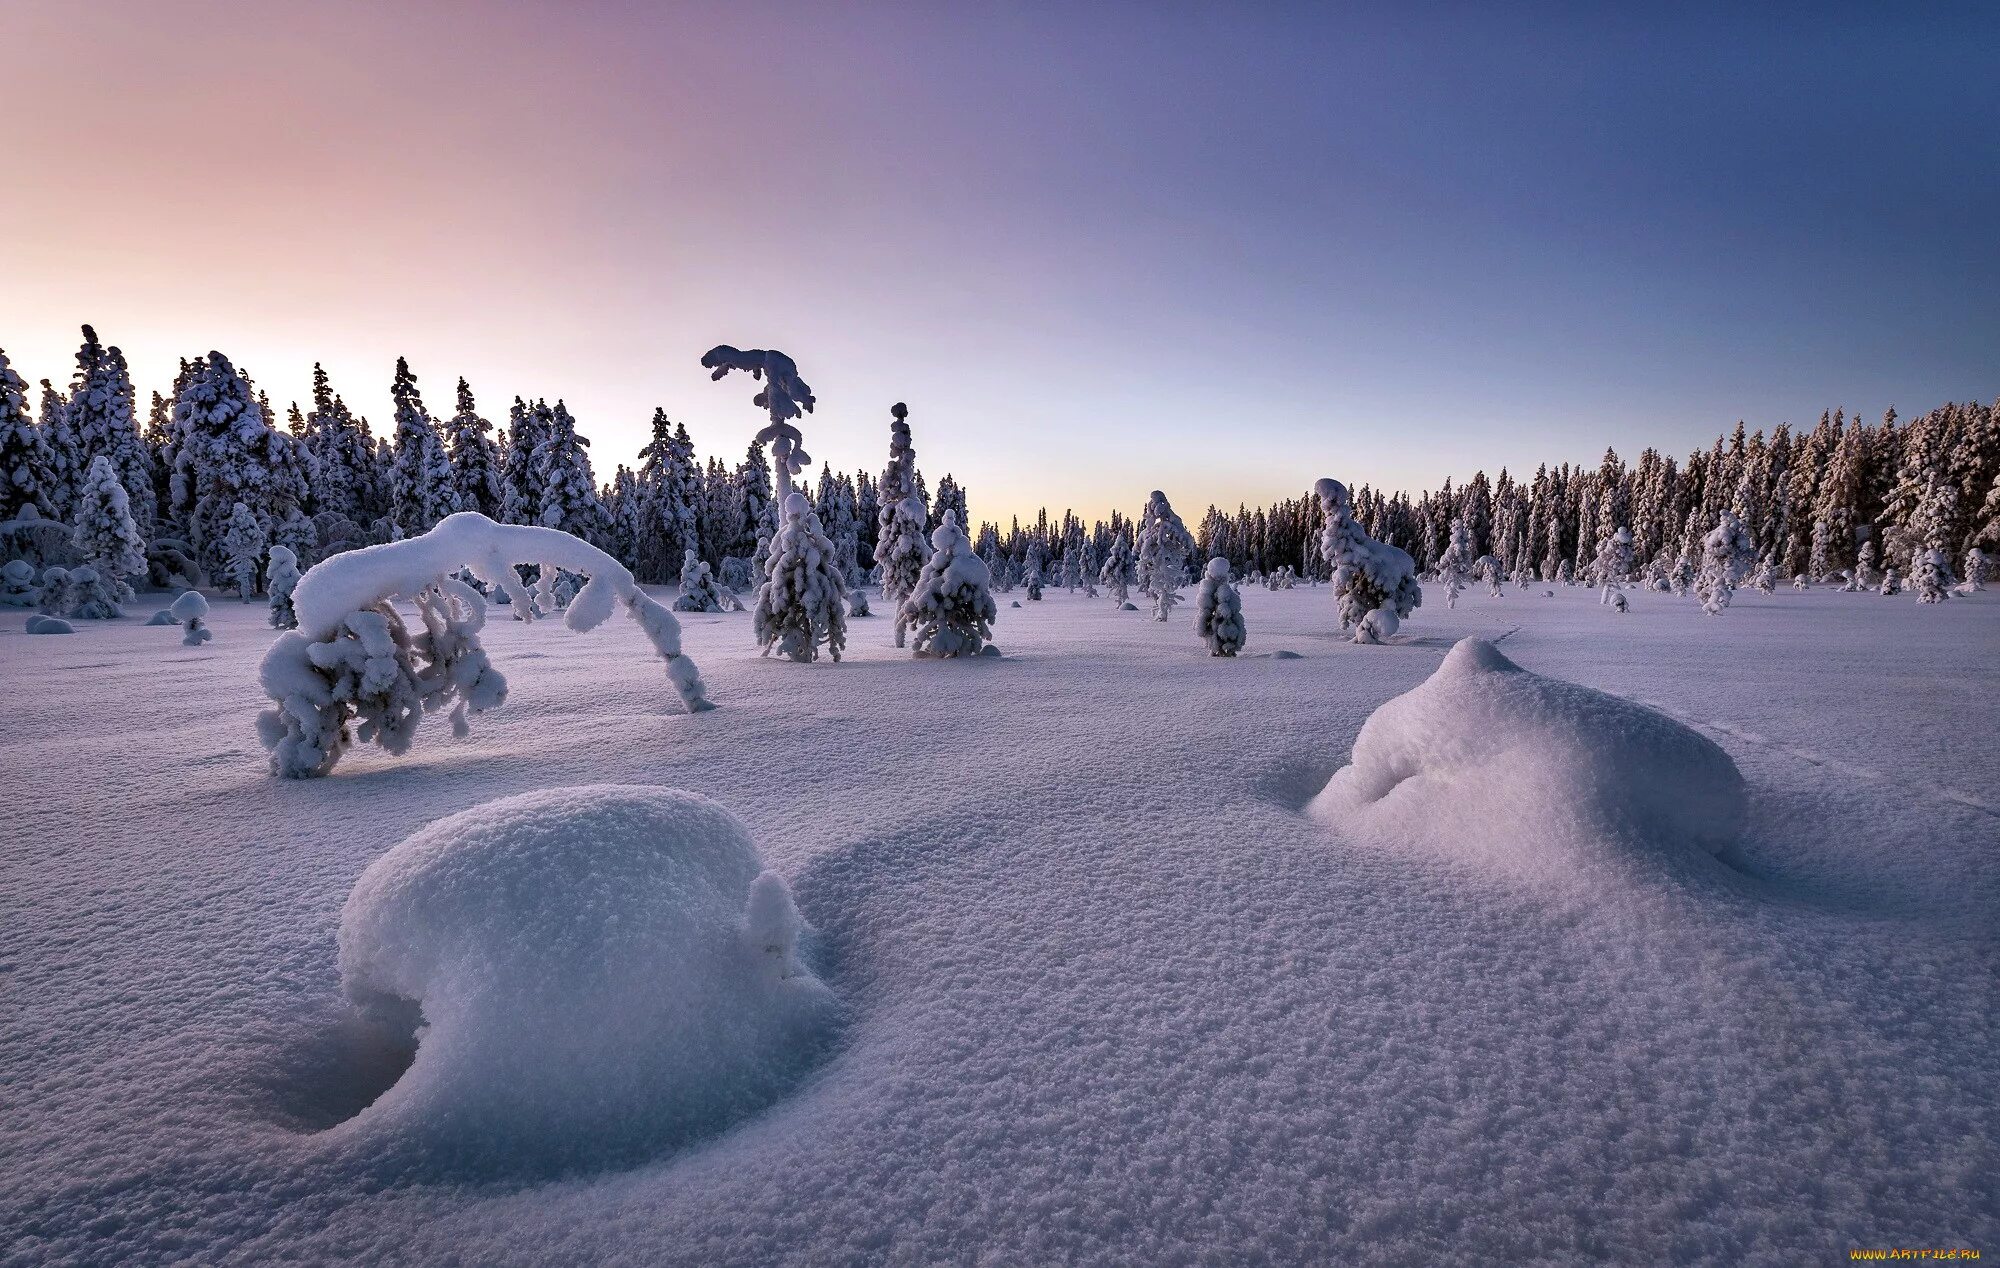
(1726, 553)
(1978, 567)
(26, 476)
(477, 482)
(1455, 565)
(799, 604)
(569, 491)
(1374, 583)
(106, 536)
(1764, 578)
(1930, 576)
(1218, 611)
(100, 412)
(1031, 572)
(1864, 567)
(835, 508)
(519, 466)
(1164, 548)
(1119, 571)
(1892, 584)
(353, 670)
(281, 578)
(244, 546)
(65, 449)
(17, 584)
(900, 548)
(785, 397)
(951, 608)
(669, 496)
(697, 591)
(421, 480)
(227, 453)
(342, 455)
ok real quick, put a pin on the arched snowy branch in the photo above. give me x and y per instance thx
(353, 661)
(785, 396)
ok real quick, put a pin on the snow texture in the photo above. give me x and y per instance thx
(590, 974)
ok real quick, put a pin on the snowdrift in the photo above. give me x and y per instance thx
(1531, 775)
(593, 973)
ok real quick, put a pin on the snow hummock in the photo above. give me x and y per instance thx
(600, 972)
(1531, 775)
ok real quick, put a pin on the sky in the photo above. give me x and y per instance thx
(1098, 248)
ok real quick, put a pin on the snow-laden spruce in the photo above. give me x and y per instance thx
(281, 578)
(17, 584)
(1532, 776)
(589, 975)
(353, 670)
(1164, 548)
(1218, 611)
(1374, 583)
(1726, 553)
(1612, 564)
(1930, 576)
(951, 609)
(799, 606)
(900, 546)
(697, 590)
(1119, 571)
(244, 546)
(784, 396)
(1454, 566)
(107, 537)
(191, 610)
(1978, 567)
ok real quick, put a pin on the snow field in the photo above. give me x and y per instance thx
(1109, 993)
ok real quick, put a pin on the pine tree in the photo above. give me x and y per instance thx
(1119, 572)
(227, 454)
(26, 476)
(422, 484)
(1219, 611)
(475, 459)
(900, 546)
(281, 578)
(951, 607)
(1726, 553)
(1374, 582)
(799, 605)
(100, 415)
(1455, 564)
(244, 545)
(107, 538)
(522, 503)
(1163, 550)
(569, 491)
(669, 495)
(342, 454)
(64, 448)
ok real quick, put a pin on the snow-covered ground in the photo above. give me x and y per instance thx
(1111, 991)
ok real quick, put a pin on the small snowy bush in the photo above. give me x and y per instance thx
(191, 610)
(698, 591)
(354, 670)
(281, 577)
(1726, 553)
(857, 603)
(1118, 573)
(1930, 576)
(1218, 611)
(1892, 584)
(600, 972)
(17, 584)
(91, 596)
(244, 546)
(1374, 583)
(1532, 776)
(799, 605)
(951, 609)
(1613, 563)
(1455, 565)
(1977, 568)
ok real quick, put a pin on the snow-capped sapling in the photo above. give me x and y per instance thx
(799, 605)
(281, 577)
(191, 610)
(1374, 583)
(1219, 611)
(1164, 550)
(951, 609)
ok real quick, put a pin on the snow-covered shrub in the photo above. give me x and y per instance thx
(1455, 565)
(1532, 776)
(1801, 582)
(54, 598)
(799, 605)
(353, 669)
(91, 596)
(1977, 568)
(1613, 563)
(1892, 584)
(951, 609)
(107, 538)
(191, 610)
(170, 565)
(243, 546)
(1930, 576)
(1164, 549)
(565, 590)
(1218, 611)
(1031, 571)
(1118, 572)
(900, 547)
(857, 602)
(698, 592)
(1765, 578)
(281, 577)
(1619, 603)
(1374, 583)
(1281, 578)
(1864, 576)
(39, 624)
(598, 972)
(17, 584)
(1725, 553)
(1490, 570)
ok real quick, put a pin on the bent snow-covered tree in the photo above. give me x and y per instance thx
(354, 670)
(799, 604)
(900, 547)
(1374, 582)
(1117, 575)
(952, 608)
(785, 397)
(1218, 611)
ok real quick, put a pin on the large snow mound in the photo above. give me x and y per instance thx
(1533, 775)
(600, 972)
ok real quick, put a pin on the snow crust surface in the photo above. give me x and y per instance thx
(1110, 994)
